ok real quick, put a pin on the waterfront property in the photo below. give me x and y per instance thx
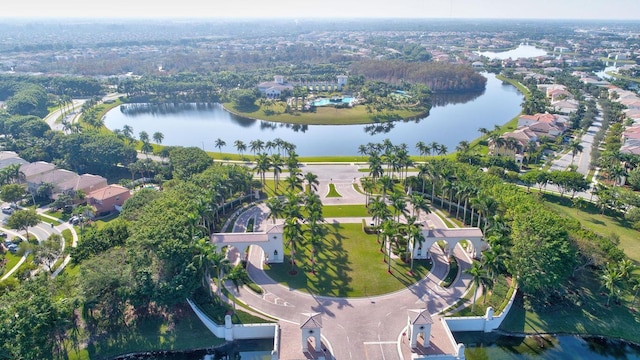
(274, 89)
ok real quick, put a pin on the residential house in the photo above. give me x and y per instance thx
(523, 136)
(9, 158)
(55, 177)
(565, 107)
(85, 183)
(108, 199)
(33, 169)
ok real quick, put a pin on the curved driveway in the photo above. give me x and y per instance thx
(352, 327)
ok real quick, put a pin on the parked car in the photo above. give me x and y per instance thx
(7, 210)
(74, 220)
(13, 248)
(3, 234)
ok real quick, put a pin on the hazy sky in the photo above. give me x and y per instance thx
(549, 9)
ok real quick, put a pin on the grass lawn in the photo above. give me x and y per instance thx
(345, 211)
(333, 192)
(182, 331)
(591, 218)
(585, 311)
(12, 260)
(349, 264)
(587, 314)
(324, 115)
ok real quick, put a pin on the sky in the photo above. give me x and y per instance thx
(447, 9)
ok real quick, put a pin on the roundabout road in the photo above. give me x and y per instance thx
(353, 328)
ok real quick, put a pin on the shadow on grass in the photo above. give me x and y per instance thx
(581, 310)
(178, 330)
(348, 264)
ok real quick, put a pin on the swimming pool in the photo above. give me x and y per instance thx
(325, 101)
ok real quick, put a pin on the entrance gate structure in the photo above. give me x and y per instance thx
(270, 241)
(451, 237)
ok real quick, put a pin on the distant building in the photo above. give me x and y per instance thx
(273, 89)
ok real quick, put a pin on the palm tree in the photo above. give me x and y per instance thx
(240, 146)
(418, 204)
(220, 144)
(417, 239)
(276, 208)
(146, 148)
(293, 233)
(158, 137)
(485, 205)
(263, 164)
(362, 150)
(367, 186)
(399, 203)
(203, 248)
(312, 181)
(375, 166)
(294, 181)
(277, 162)
(221, 264)
(256, 146)
(611, 278)
(127, 131)
(435, 147)
(379, 212)
(387, 185)
(421, 147)
(388, 230)
(576, 148)
(479, 278)
(493, 260)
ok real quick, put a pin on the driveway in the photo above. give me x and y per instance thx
(370, 326)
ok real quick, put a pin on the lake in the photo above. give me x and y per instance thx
(451, 120)
(480, 346)
(522, 51)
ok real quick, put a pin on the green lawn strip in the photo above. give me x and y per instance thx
(333, 192)
(452, 274)
(335, 211)
(179, 330)
(348, 265)
(55, 214)
(27, 265)
(591, 219)
(587, 314)
(48, 220)
(101, 222)
(68, 240)
(495, 298)
(12, 260)
(324, 115)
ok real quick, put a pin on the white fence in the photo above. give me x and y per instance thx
(486, 323)
(231, 332)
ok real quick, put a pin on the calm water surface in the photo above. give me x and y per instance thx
(522, 51)
(448, 124)
(481, 346)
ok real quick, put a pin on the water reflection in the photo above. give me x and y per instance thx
(380, 128)
(480, 346)
(452, 99)
(201, 124)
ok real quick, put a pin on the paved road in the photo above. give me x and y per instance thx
(71, 117)
(583, 159)
(352, 327)
(41, 231)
